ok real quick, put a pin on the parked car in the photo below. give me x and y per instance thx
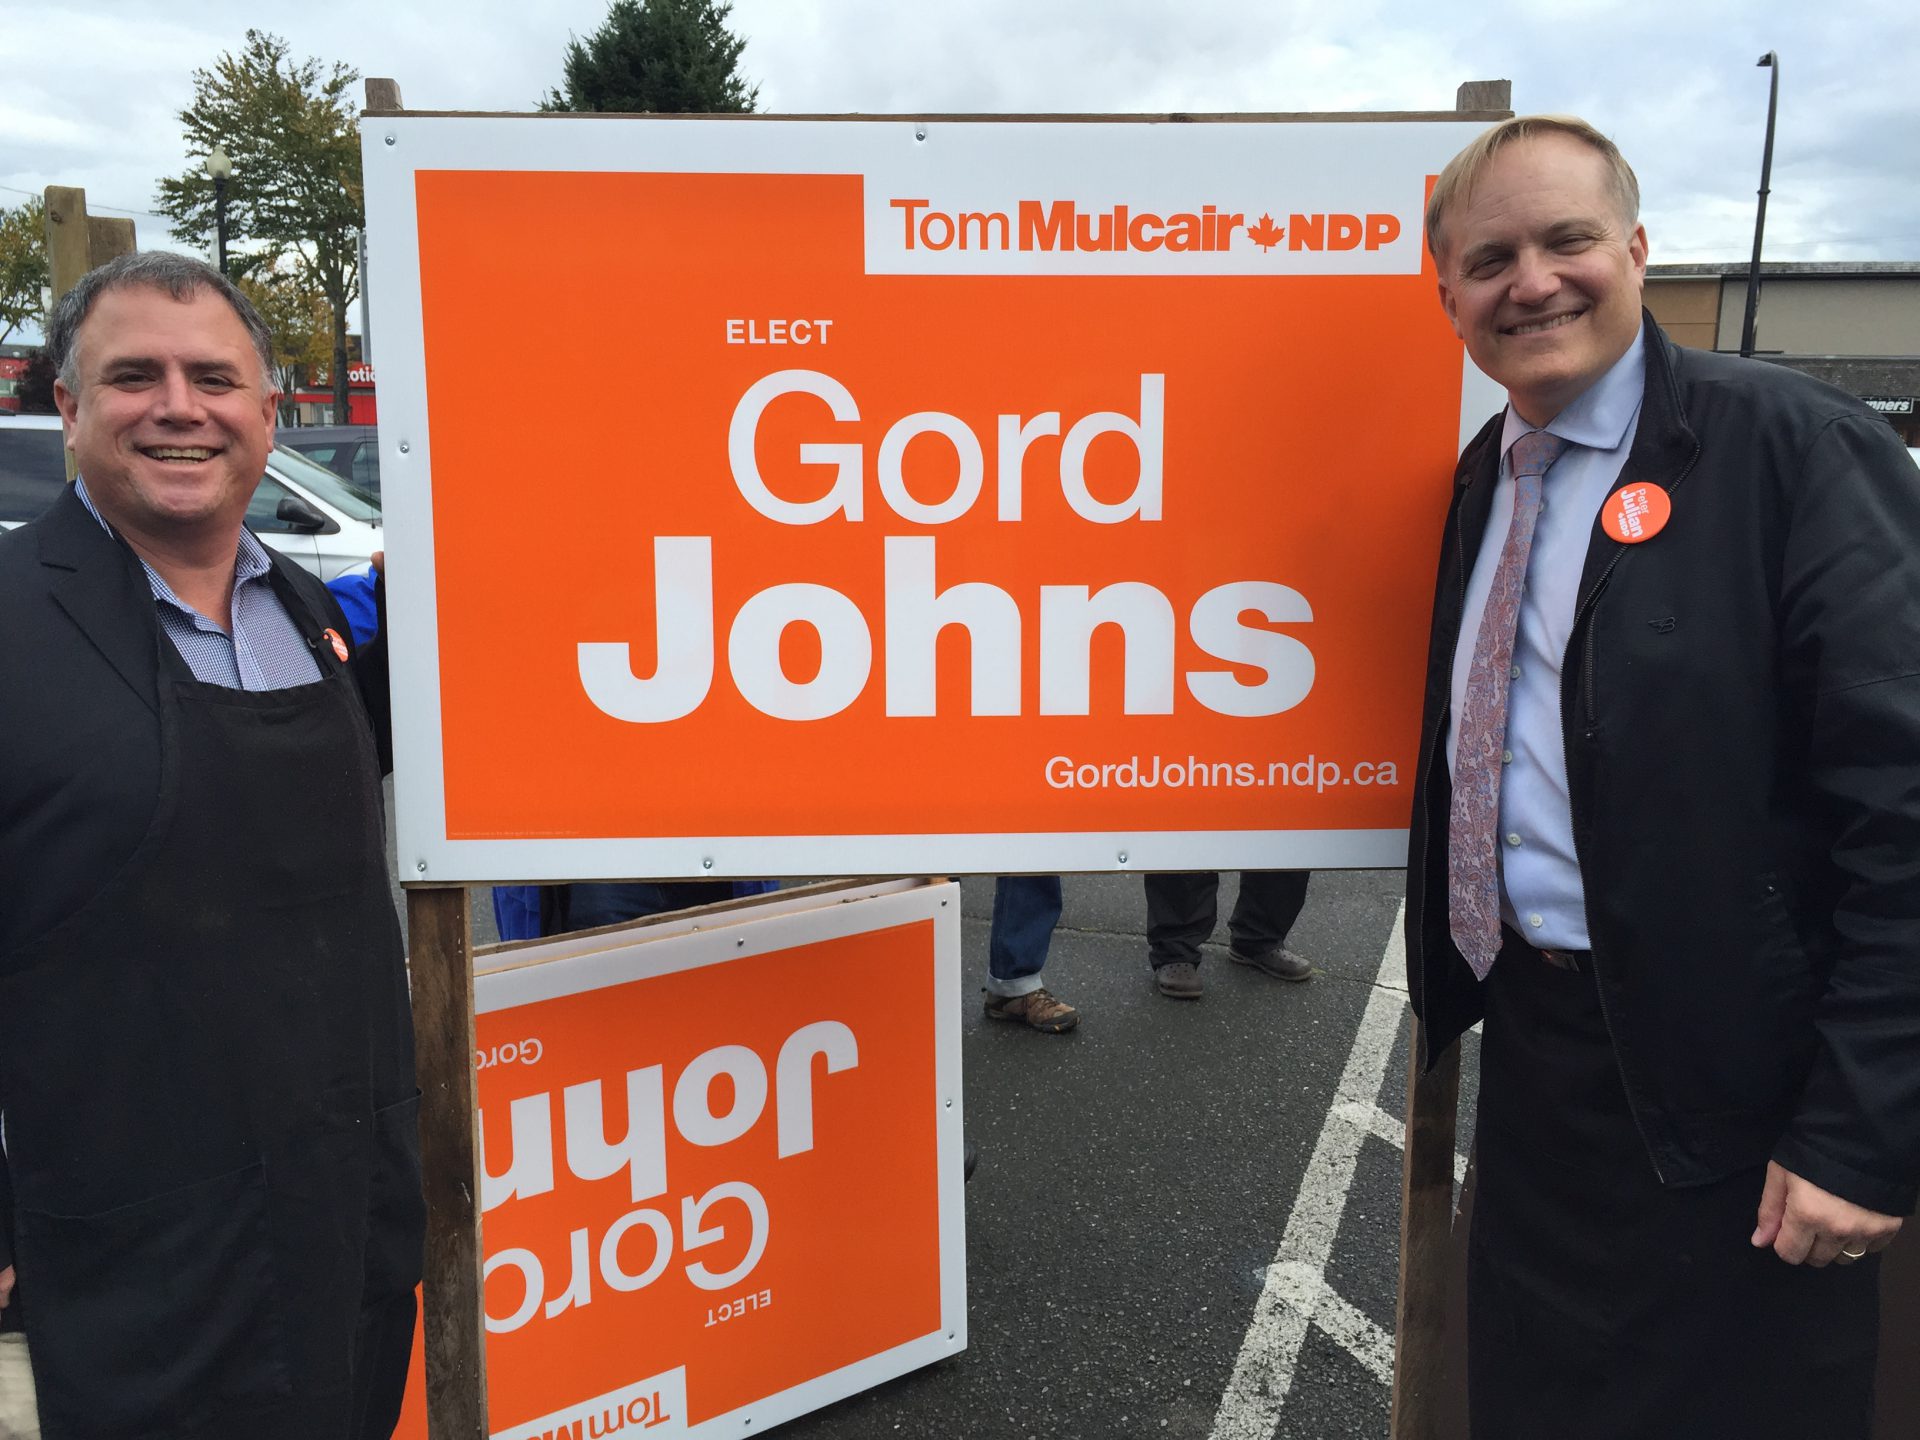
(351, 451)
(302, 509)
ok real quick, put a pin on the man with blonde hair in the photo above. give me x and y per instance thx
(1666, 836)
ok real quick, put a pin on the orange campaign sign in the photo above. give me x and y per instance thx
(720, 1165)
(909, 496)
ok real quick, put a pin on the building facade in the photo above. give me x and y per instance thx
(1854, 324)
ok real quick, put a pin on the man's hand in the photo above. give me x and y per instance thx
(6, 1286)
(1807, 1225)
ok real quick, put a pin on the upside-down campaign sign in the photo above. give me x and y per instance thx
(720, 1166)
(900, 496)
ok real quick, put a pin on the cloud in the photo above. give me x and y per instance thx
(1674, 84)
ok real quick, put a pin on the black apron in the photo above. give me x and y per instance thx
(211, 1113)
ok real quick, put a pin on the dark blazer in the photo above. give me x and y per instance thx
(79, 718)
(1741, 708)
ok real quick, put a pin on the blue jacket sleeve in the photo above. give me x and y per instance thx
(354, 592)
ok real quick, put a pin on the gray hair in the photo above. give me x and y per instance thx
(1456, 182)
(181, 276)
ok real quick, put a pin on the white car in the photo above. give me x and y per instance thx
(312, 516)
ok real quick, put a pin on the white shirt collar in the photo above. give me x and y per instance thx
(1601, 416)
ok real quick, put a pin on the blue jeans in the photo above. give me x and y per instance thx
(1025, 910)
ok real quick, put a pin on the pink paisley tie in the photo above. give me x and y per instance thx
(1473, 865)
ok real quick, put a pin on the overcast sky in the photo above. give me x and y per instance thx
(90, 89)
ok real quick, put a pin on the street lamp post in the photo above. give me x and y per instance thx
(219, 166)
(1771, 62)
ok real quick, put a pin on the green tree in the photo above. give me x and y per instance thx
(666, 57)
(298, 315)
(23, 264)
(295, 199)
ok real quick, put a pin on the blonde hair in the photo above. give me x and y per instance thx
(1458, 179)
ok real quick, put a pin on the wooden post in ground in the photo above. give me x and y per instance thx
(1490, 97)
(108, 238)
(441, 962)
(67, 252)
(78, 242)
(1424, 1307)
(440, 959)
(1423, 1391)
(68, 244)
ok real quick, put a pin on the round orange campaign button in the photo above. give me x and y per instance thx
(1635, 512)
(332, 637)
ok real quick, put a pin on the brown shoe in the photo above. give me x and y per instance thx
(1282, 964)
(1038, 1008)
(1178, 979)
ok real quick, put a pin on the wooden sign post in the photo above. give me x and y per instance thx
(1425, 1396)
(78, 242)
(440, 962)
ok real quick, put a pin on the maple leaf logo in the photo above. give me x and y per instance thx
(1266, 234)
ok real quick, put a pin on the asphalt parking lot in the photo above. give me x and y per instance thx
(1185, 1221)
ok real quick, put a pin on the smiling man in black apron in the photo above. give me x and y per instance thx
(206, 1065)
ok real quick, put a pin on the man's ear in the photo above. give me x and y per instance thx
(68, 404)
(1446, 304)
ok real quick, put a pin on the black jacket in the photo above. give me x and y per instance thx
(1741, 709)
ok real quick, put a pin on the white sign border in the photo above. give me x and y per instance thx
(395, 149)
(782, 921)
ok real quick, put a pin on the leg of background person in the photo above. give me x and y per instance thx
(1270, 901)
(1025, 910)
(516, 912)
(19, 1412)
(1181, 909)
(610, 903)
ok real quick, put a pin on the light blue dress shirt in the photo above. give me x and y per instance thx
(266, 651)
(1541, 894)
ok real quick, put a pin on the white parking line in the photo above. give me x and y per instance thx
(1392, 1129)
(1356, 1334)
(1295, 1293)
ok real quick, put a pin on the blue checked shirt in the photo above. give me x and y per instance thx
(265, 651)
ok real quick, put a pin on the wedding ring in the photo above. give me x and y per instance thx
(1854, 1254)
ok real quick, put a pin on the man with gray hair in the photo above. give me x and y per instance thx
(210, 1212)
(1666, 837)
